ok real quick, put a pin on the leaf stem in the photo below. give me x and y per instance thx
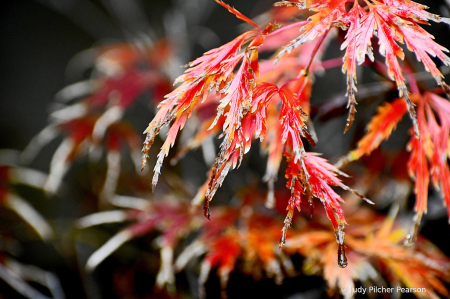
(412, 81)
(305, 71)
(302, 23)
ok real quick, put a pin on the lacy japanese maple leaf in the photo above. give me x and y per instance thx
(213, 70)
(428, 161)
(300, 64)
(286, 131)
(314, 176)
(242, 104)
(393, 22)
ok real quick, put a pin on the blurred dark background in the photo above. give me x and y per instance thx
(39, 39)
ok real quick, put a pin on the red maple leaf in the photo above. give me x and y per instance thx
(394, 21)
(314, 176)
(431, 152)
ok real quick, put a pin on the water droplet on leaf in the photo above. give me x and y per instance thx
(342, 258)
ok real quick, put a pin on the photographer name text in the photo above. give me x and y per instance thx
(381, 290)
